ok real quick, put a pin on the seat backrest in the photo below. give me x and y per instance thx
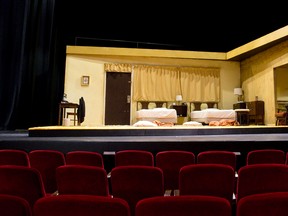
(82, 179)
(25, 182)
(261, 178)
(46, 161)
(260, 156)
(84, 205)
(133, 183)
(184, 205)
(84, 158)
(134, 157)
(207, 179)
(14, 206)
(218, 157)
(14, 157)
(170, 162)
(266, 204)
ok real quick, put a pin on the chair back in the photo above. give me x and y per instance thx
(266, 204)
(133, 183)
(261, 178)
(260, 156)
(207, 179)
(184, 205)
(21, 181)
(14, 157)
(46, 162)
(134, 157)
(170, 162)
(217, 157)
(84, 205)
(14, 206)
(84, 158)
(82, 179)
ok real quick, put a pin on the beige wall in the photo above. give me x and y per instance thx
(94, 94)
(257, 77)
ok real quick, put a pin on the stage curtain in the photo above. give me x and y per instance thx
(200, 84)
(118, 67)
(155, 83)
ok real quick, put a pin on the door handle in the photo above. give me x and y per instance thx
(128, 99)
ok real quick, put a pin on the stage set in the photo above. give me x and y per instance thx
(109, 139)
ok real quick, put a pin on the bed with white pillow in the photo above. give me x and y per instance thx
(212, 114)
(161, 114)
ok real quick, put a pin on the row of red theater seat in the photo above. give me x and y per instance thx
(208, 182)
(261, 190)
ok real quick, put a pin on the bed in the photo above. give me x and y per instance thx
(159, 114)
(212, 114)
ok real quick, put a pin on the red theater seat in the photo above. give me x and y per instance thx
(261, 156)
(133, 183)
(80, 205)
(261, 178)
(25, 182)
(134, 157)
(170, 162)
(46, 162)
(14, 206)
(84, 158)
(184, 206)
(207, 179)
(267, 204)
(82, 179)
(14, 157)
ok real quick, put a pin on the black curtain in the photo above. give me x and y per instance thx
(32, 63)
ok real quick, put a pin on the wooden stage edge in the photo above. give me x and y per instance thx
(177, 130)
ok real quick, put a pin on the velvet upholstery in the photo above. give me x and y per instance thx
(80, 205)
(46, 161)
(134, 157)
(133, 183)
(261, 178)
(84, 158)
(267, 204)
(14, 206)
(82, 179)
(218, 157)
(25, 182)
(193, 205)
(14, 157)
(260, 156)
(207, 179)
(170, 162)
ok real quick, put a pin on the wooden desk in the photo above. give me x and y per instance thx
(62, 111)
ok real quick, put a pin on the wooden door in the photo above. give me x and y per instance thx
(118, 97)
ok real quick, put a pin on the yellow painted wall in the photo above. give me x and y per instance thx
(257, 77)
(94, 94)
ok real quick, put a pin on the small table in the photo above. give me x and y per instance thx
(242, 116)
(62, 111)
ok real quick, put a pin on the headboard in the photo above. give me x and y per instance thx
(146, 104)
(197, 105)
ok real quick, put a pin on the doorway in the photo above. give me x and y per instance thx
(118, 98)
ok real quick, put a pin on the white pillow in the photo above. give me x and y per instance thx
(192, 123)
(145, 124)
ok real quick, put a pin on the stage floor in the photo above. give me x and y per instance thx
(177, 130)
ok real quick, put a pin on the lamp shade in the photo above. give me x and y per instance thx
(238, 91)
(178, 97)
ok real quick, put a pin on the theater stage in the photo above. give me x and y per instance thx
(109, 139)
